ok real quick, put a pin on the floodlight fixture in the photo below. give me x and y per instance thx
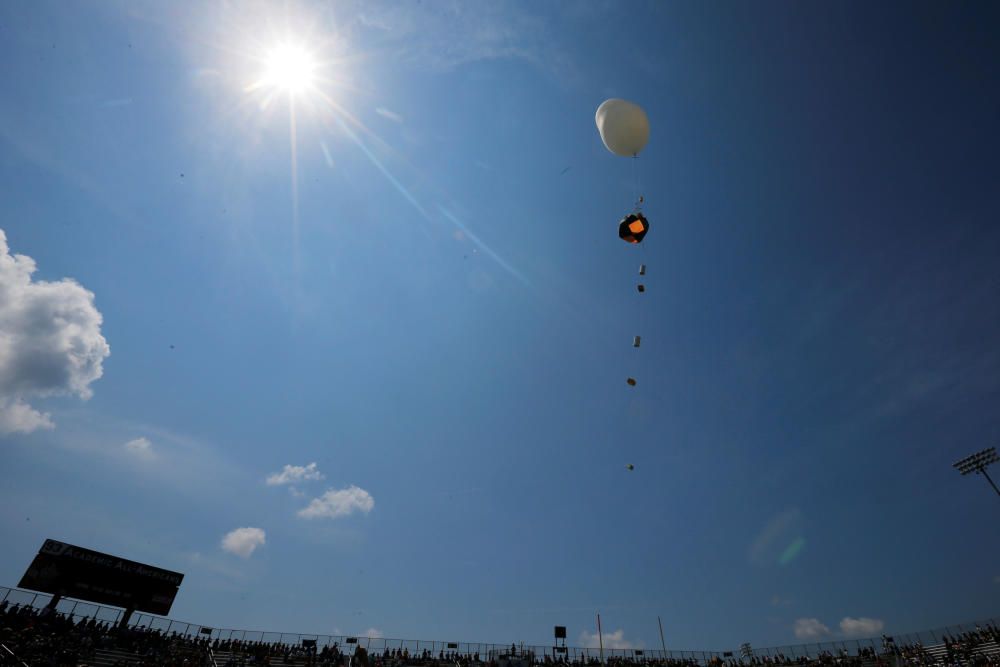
(978, 463)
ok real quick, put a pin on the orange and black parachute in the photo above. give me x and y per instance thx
(633, 228)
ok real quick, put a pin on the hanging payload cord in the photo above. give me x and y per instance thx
(640, 286)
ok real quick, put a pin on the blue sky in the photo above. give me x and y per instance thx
(433, 307)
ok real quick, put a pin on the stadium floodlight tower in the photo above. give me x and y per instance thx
(978, 463)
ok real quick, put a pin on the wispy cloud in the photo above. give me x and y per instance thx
(861, 627)
(614, 639)
(214, 564)
(424, 36)
(140, 448)
(336, 503)
(809, 629)
(812, 629)
(391, 115)
(89, 436)
(374, 633)
(243, 542)
(291, 474)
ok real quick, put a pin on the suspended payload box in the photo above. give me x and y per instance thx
(642, 269)
(633, 228)
(636, 341)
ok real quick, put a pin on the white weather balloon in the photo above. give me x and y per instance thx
(623, 125)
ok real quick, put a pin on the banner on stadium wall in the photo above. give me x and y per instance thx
(64, 569)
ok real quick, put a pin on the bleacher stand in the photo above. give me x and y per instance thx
(49, 639)
(46, 638)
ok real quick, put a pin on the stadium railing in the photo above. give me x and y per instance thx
(7, 657)
(78, 609)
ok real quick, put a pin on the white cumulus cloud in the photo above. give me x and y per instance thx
(614, 639)
(861, 626)
(16, 416)
(336, 503)
(50, 341)
(140, 448)
(810, 628)
(291, 474)
(243, 541)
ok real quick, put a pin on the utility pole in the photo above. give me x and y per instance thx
(978, 463)
(600, 637)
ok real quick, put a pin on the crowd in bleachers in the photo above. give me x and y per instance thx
(964, 648)
(396, 658)
(961, 650)
(238, 653)
(45, 638)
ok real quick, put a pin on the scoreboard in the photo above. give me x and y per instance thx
(71, 571)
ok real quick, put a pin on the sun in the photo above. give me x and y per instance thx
(288, 68)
